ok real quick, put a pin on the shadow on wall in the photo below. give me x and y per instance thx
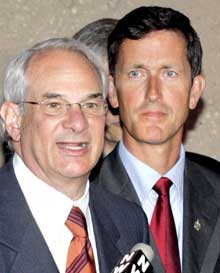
(193, 118)
(204, 160)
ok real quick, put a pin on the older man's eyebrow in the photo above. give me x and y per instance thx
(51, 95)
(94, 95)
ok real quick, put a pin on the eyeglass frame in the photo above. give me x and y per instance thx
(67, 105)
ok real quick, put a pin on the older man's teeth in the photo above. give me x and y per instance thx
(83, 145)
(77, 147)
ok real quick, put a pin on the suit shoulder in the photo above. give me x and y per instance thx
(200, 166)
(204, 162)
(7, 174)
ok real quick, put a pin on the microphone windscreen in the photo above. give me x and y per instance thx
(147, 250)
(138, 260)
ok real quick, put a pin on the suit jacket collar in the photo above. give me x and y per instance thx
(118, 173)
(201, 213)
(19, 233)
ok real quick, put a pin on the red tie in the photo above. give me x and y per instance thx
(80, 256)
(163, 228)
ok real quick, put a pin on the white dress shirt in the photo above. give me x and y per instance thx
(144, 178)
(50, 209)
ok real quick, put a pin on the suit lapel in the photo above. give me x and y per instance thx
(106, 233)
(118, 178)
(39, 258)
(201, 212)
(213, 251)
(19, 233)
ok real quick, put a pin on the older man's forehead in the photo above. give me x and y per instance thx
(53, 55)
(58, 61)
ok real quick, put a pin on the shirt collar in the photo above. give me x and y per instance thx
(46, 203)
(176, 173)
(144, 177)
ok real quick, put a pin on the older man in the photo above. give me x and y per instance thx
(51, 219)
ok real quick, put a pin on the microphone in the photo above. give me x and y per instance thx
(138, 260)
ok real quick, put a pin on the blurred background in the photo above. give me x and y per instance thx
(25, 22)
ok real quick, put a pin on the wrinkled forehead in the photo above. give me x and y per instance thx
(59, 59)
(61, 70)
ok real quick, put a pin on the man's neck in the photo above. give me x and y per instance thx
(159, 157)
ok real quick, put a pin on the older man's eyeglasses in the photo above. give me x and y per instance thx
(59, 107)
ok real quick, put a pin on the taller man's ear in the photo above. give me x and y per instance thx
(112, 94)
(10, 114)
(196, 91)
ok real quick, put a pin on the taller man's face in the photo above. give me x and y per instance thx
(154, 88)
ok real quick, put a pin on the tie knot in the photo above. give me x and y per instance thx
(76, 222)
(162, 186)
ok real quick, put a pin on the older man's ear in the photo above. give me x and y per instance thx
(10, 114)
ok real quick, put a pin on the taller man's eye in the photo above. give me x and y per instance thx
(135, 74)
(171, 73)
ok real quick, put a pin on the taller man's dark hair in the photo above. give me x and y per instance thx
(143, 20)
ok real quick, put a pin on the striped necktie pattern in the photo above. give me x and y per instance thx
(80, 257)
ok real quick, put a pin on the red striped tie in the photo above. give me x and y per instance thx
(80, 257)
(163, 228)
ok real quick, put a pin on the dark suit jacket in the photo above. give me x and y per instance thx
(118, 226)
(201, 249)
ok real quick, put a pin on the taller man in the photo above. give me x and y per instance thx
(155, 59)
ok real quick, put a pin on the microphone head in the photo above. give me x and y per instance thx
(146, 249)
(137, 260)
